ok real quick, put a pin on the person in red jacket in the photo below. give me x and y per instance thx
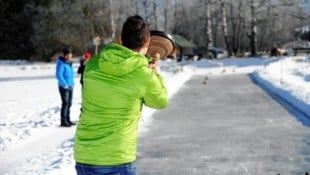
(83, 61)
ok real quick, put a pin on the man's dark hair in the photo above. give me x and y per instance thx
(65, 52)
(135, 32)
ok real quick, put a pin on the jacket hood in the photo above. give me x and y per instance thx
(63, 59)
(118, 60)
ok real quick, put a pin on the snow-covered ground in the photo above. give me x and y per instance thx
(32, 143)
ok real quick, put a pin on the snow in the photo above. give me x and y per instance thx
(31, 138)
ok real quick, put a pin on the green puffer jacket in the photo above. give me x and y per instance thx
(117, 82)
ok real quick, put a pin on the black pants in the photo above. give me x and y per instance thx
(66, 99)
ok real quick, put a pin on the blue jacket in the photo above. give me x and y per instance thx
(64, 73)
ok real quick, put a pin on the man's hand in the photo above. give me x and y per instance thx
(154, 63)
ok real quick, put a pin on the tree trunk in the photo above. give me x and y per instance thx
(112, 19)
(252, 36)
(166, 10)
(155, 14)
(240, 23)
(135, 5)
(145, 7)
(208, 27)
(224, 27)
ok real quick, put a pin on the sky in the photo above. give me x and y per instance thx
(31, 138)
(306, 5)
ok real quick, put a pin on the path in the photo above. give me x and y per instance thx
(228, 126)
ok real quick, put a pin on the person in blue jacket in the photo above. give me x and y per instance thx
(65, 78)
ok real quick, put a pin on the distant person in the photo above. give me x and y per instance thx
(282, 52)
(278, 52)
(65, 77)
(274, 52)
(83, 61)
(117, 83)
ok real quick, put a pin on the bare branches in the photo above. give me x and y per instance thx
(48, 25)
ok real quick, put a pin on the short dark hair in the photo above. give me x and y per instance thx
(66, 51)
(135, 32)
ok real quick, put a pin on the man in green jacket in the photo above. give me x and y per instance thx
(117, 83)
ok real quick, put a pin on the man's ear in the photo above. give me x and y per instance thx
(145, 47)
(147, 44)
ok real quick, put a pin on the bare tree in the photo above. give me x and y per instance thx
(245, 25)
(155, 9)
(146, 6)
(169, 9)
(178, 14)
(113, 16)
(224, 27)
(208, 24)
(134, 5)
(252, 34)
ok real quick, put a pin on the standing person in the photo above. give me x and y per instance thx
(117, 83)
(65, 78)
(83, 61)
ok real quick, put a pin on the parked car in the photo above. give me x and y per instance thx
(213, 52)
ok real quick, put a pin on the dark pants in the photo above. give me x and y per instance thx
(66, 99)
(125, 169)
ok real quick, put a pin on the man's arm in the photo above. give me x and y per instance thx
(156, 93)
(59, 74)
